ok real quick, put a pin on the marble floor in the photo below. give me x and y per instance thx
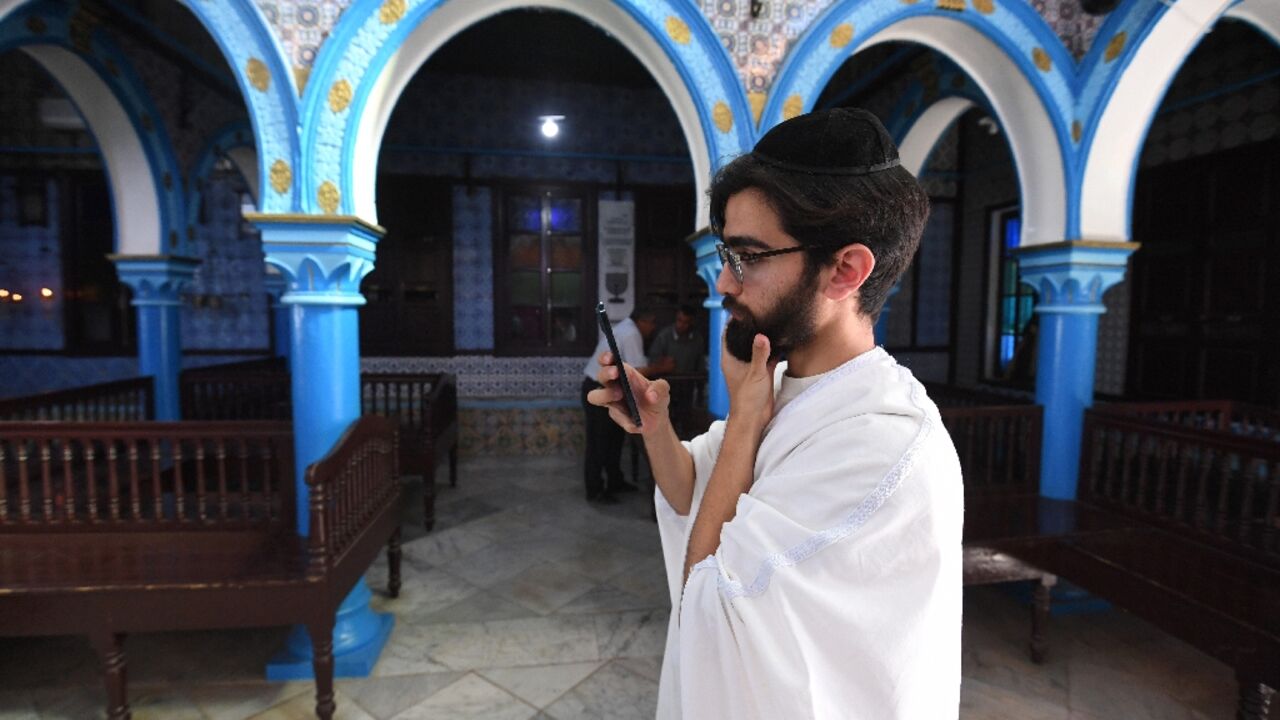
(525, 602)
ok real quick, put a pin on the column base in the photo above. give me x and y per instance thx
(357, 662)
(359, 635)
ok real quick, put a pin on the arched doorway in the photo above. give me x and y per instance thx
(1202, 298)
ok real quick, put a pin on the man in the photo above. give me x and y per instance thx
(813, 539)
(604, 438)
(679, 347)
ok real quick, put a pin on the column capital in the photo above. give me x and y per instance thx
(155, 279)
(708, 261)
(1071, 276)
(323, 258)
(275, 284)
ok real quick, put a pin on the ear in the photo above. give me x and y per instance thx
(853, 266)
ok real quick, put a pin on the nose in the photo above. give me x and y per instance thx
(725, 281)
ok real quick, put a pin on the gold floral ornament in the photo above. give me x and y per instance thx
(300, 76)
(1077, 130)
(842, 35)
(793, 107)
(952, 5)
(986, 7)
(339, 96)
(756, 99)
(280, 176)
(391, 11)
(328, 197)
(677, 30)
(258, 74)
(1115, 46)
(1041, 59)
(722, 116)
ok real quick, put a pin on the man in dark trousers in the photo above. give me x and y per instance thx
(604, 437)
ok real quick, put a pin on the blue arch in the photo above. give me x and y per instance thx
(243, 35)
(47, 23)
(362, 44)
(1017, 31)
(231, 135)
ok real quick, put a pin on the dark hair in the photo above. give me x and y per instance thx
(688, 310)
(885, 211)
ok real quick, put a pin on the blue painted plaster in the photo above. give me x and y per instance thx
(360, 46)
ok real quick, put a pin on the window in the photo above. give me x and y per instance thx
(1015, 300)
(545, 276)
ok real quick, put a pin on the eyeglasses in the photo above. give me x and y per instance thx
(735, 260)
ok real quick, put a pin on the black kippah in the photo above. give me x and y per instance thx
(840, 141)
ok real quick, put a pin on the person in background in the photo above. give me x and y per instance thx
(602, 465)
(679, 347)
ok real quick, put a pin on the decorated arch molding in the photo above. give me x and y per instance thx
(1006, 49)
(925, 130)
(378, 45)
(234, 142)
(270, 93)
(1126, 76)
(146, 184)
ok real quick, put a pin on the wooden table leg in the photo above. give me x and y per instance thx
(110, 648)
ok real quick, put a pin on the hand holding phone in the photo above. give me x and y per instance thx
(607, 328)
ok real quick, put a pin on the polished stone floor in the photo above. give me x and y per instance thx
(527, 603)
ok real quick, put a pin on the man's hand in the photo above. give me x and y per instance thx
(750, 384)
(652, 398)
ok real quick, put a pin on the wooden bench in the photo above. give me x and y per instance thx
(112, 529)
(1198, 554)
(425, 405)
(999, 450)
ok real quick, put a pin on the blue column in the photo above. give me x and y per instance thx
(323, 260)
(1071, 278)
(882, 322)
(282, 337)
(704, 249)
(157, 282)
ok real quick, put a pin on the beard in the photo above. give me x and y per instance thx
(788, 324)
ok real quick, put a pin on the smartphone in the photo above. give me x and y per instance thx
(627, 395)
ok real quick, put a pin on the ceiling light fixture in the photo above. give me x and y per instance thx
(550, 125)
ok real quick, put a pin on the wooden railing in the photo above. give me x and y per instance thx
(1222, 415)
(425, 404)
(117, 401)
(245, 394)
(999, 447)
(113, 476)
(1221, 486)
(349, 485)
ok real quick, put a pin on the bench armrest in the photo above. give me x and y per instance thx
(349, 487)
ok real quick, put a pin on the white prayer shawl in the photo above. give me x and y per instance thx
(836, 590)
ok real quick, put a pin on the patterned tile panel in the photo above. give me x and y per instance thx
(759, 45)
(472, 268)
(487, 376)
(303, 25)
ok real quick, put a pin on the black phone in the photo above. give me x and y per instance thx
(627, 395)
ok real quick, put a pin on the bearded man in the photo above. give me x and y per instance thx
(813, 539)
